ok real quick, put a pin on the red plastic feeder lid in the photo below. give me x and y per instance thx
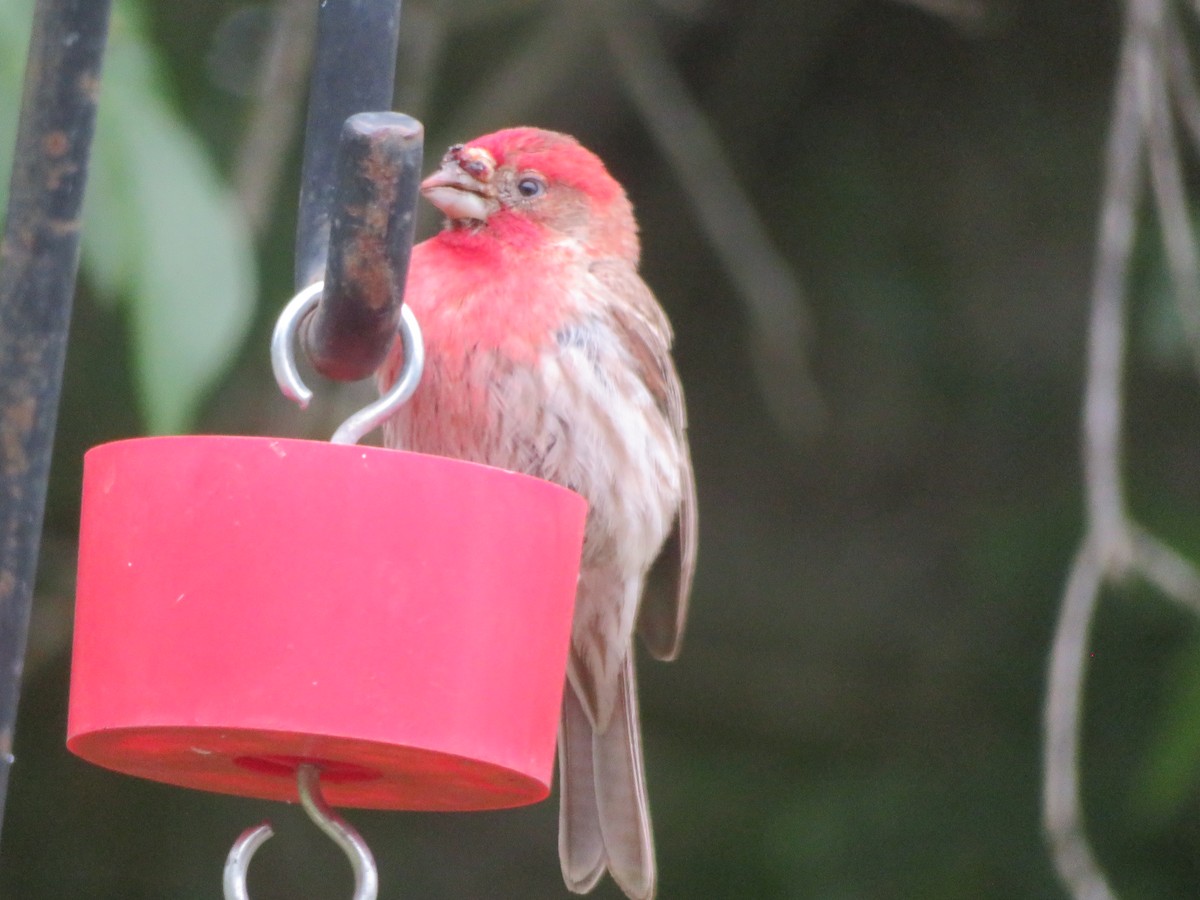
(248, 604)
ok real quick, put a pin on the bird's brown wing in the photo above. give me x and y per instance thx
(663, 612)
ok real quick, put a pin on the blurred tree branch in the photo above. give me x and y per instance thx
(282, 85)
(775, 304)
(967, 14)
(1154, 69)
(537, 66)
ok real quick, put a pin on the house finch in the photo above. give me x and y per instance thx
(547, 354)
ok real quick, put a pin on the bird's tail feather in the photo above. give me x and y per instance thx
(604, 816)
(580, 843)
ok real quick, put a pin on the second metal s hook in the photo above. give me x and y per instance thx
(308, 778)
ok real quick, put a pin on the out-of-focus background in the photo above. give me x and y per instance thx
(883, 368)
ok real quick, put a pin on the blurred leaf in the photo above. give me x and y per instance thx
(162, 233)
(1159, 333)
(1171, 774)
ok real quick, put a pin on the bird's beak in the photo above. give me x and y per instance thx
(461, 188)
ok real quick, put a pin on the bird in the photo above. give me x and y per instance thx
(547, 354)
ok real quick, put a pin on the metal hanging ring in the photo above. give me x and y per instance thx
(366, 420)
(308, 779)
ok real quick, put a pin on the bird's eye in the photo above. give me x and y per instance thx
(531, 186)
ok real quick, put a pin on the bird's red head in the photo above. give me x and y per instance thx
(509, 181)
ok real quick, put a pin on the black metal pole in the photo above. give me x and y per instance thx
(354, 70)
(39, 257)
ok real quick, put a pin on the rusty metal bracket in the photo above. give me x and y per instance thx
(370, 240)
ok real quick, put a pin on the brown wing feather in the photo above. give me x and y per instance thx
(663, 612)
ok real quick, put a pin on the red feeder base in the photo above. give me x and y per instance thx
(248, 604)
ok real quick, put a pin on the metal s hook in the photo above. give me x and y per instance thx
(283, 361)
(308, 779)
(238, 860)
(366, 875)
(287, 376)
(372, 416)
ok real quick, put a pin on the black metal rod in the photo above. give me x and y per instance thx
(354, 70)
(374, 206)
(39, 257)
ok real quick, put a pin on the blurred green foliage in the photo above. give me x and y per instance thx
(162, 235)
(856, 715)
